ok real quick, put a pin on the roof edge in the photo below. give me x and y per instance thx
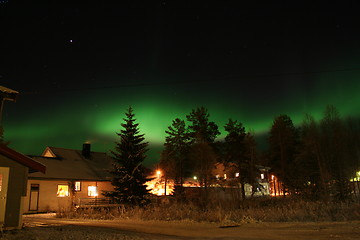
(68, 179)
(22, 159)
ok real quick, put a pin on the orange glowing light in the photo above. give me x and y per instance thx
(157, 186)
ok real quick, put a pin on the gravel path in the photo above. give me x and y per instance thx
(133, 229)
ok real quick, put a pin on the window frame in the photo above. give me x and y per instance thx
(67, 192)
(77, 183)
(96, 191)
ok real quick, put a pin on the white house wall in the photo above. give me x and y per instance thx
(48, 201)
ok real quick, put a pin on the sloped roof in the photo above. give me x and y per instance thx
(70, 164)
(22, 159)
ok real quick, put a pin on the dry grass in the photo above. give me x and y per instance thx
(67, 233)
(290, 210)
(252, 210)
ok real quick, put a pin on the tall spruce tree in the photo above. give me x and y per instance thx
(201, 129)
(202, 136)
(282, 148)
(234, 150)
(334, 148)
(174, 157)
(250, 171)
(129, 175)
(309, 161)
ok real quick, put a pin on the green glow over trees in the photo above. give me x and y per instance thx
(67, 119)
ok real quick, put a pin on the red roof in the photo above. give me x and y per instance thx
(22, 159)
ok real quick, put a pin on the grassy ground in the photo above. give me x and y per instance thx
(255, 210)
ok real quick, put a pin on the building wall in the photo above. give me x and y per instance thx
(49, 201)
(16, 192)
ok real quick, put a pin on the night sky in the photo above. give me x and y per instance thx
(79, 66)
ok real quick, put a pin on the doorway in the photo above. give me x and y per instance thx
(34, 197)
(4, 178)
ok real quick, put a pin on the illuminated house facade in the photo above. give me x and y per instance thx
(73, 177)
(229, 175)
(225, 179)
(355, 183)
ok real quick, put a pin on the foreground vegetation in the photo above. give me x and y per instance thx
(250, 211)
(67, 233)
(282, 212)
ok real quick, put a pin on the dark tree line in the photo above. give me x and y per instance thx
(318, 158)
(191, 150)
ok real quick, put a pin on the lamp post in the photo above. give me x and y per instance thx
(158, 173)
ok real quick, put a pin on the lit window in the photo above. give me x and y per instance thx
(92, 191)
(217, 176)
(63, 191)
(237, 174)
(77, 186)
(262, 176)
(225, 176)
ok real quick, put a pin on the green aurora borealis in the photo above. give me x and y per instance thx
(79, 67)
(69, 118)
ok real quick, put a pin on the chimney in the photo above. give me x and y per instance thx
(86, 150)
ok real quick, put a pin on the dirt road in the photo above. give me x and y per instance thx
(191, 230)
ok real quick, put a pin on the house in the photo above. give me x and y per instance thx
(73, 177)
(228, 176)
(14, 169)
(224, 182)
